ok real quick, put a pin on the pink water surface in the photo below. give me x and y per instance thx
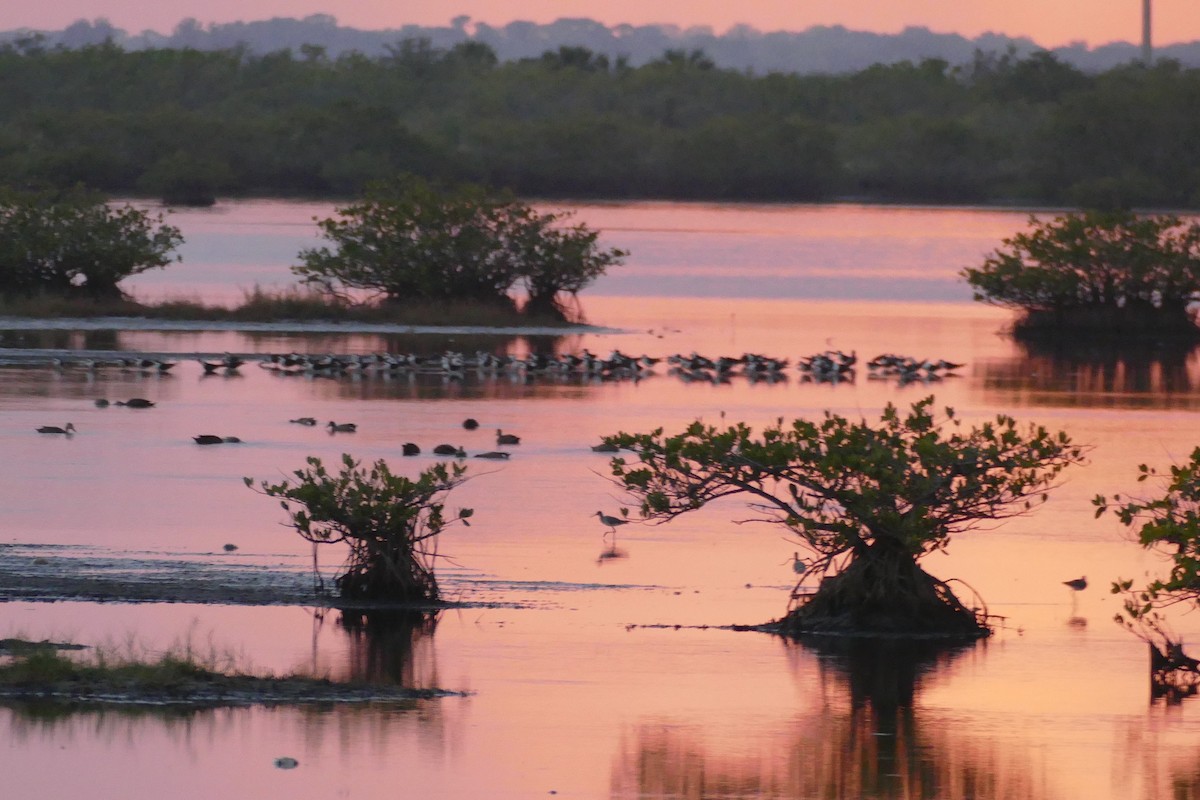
(580, 682)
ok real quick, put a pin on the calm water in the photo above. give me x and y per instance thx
(589, 676)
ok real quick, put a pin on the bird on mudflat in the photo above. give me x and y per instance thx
(342, 427)
(1078, 584)
(67, 429)
(506, 438)
(611, 522)
(411, 449)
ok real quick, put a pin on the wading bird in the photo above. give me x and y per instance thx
(611, 522)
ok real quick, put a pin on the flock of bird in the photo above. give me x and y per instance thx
(408, 448)
(830, 366)
(822, 364)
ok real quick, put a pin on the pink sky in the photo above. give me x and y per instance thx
(1049, 22)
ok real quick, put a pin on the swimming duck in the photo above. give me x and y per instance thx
(411, 449)
(450, 450)
(207, 438)
(506, 438)
(494, 454)
(136, 402)
(470, 423)
(341, 427)
(310, 421)
(67, 429)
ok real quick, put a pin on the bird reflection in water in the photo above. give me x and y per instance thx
(610, 553)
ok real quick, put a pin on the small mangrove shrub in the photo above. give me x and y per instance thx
(1112, 273)
(389, 522)
(1169, 524)
(866, 500)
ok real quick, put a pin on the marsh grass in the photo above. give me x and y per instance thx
(184, 674)
(292, 304)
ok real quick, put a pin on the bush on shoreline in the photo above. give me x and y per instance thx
(1110, 274)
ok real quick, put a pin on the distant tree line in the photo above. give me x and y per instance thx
(187, 125)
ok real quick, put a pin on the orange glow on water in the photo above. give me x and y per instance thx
(592, 675)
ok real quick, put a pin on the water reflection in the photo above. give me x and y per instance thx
(391, 646)
(882, 674)
(61, 340)
(264, 342)
(1089, 376)
(866, 737)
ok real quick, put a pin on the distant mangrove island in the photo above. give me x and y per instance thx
(189, 126)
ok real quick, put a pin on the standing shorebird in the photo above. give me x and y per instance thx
(1078, 585)
(611, 522)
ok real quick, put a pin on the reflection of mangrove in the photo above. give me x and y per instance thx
(882, 673)
(411, 342)
(61, 340)
(1125, 370)
(881, 746)
(391, 646)
(1174, 674)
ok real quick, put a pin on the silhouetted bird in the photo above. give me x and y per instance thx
(1079, 584)
(470, 423)
(611, 522)
(342, 427)
(207, 438)
(68, 429)
(411, 449)
(506, 438)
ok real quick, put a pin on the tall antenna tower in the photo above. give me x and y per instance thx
(1147, 49)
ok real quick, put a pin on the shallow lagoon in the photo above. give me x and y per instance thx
(581, 682)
